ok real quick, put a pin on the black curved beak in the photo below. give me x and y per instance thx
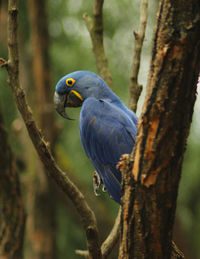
(72, 99)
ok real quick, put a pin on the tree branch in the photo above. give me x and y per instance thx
(112, 238)
(95, 28)
(176, 253)
(86, 214)
(110, 241)
(135, 88)
(3, 62)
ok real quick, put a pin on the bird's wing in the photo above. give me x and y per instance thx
(106, 133)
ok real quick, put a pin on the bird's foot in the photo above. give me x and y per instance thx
(96, 183)
(104, 188)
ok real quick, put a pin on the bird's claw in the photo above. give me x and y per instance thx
(96, 183)
(96, 192)
(104, 188)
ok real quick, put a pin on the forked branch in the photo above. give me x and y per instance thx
(110, 241)
(135, 88)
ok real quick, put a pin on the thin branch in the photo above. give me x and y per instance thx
(110, 241)
(83, 253)
(176, 252)
(86, 214)
(3, 62)
(95, 28)
(135, 87)
(112, 238)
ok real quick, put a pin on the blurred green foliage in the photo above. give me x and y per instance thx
(71, 50)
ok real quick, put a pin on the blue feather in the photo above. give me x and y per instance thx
(107, 127)
(106, 133)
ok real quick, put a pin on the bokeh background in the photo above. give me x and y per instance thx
(70, 49)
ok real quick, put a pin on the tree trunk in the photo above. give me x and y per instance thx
(151, 183)
(41, 66)
(12, 215)
(41, 204)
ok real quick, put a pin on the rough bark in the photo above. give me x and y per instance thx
(151, 184)
(12, 215)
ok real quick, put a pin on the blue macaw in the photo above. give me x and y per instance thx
(107, 127)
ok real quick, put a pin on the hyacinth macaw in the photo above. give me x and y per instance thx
(107, 127)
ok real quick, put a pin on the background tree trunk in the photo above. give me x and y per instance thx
(41, 205)
(151, 184)
(12, 215)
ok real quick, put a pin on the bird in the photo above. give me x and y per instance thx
(107, 128)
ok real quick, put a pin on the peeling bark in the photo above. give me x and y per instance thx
(151, 186)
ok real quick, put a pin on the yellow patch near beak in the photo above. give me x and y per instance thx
(77, 94)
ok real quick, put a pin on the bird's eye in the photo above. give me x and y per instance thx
(70, 81)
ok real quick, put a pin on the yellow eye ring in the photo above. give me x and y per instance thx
(70, 82)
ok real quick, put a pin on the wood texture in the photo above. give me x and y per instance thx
(151, 186)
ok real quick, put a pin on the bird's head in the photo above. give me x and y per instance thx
(74, 88)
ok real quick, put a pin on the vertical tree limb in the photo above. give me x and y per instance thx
(149, 201)
(12, 215)
(95, 28)
(86, 214)
(41, 66)
(41, 224)
(135, 88)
